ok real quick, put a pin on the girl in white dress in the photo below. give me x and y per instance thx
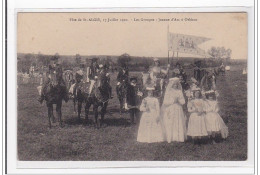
(173, 116)
(214, 123)
(150, 129)
(197, 125)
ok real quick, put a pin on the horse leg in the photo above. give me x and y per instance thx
(79, 109)
(103, 112)
(58, 110)
(50, 108)
(87, 106)
(95, 109)
(74, 105)
(51, 113)
(121, 105)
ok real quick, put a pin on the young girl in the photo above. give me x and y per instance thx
(214, 123)
(150, 129)
(173, 116)
(197, 125)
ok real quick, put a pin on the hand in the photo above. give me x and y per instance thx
(118, 83)
(140, 94)
(168, 66)
(126, 106)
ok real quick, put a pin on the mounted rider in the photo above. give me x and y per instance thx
(54, 78)
(79, 78)
(208, 82)
(104, 78)
(94, 68)
(157, 76)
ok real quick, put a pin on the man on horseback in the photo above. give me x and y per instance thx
(208, 82)
(94, 69)
(103, 76)
(54, 78)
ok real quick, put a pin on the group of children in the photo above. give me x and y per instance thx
(170, 123)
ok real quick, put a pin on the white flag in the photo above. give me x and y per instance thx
(186, 43)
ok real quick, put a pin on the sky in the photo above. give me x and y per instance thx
(51, 33)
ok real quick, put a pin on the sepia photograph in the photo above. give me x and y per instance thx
(150, 86)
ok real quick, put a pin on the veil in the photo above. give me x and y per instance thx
(170, 91)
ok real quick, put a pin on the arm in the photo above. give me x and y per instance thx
(181, 99)
(168, 100)
(143, 106)
(216, 108)
(191, 107)
(157, 106)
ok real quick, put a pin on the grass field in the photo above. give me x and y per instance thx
(117, 141)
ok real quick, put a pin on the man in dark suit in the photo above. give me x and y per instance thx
(133, 99)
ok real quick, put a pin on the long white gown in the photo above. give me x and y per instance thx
(197, 123)
(214, 123)
(173, 116)
(150, 130)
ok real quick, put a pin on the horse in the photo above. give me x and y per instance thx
(208, 81)
(94, 93)
(199, 74)
(68, 77)
(222, 70)
(54, 91)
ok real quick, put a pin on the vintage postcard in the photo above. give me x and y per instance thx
(132, 86)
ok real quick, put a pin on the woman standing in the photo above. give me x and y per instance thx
(150, 129)
(173, 115)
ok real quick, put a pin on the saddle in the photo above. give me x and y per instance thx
(86, 87)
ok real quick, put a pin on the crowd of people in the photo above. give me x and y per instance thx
(170, 110)
(183, 112)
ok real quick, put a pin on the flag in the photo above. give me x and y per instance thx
(186, 43)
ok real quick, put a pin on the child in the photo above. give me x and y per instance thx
(214, 123)
(197, 125)
(132, 99)
(150, 129)
(173, 115)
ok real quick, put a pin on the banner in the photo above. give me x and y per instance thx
(186, 43)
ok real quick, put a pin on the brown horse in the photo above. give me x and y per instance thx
(54, 91)
(94, 93)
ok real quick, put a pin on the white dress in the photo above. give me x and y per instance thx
(149, 129)
(214, 123)
(197, 123)
(173, 116)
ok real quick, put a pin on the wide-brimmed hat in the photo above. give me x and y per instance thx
(174, 79)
